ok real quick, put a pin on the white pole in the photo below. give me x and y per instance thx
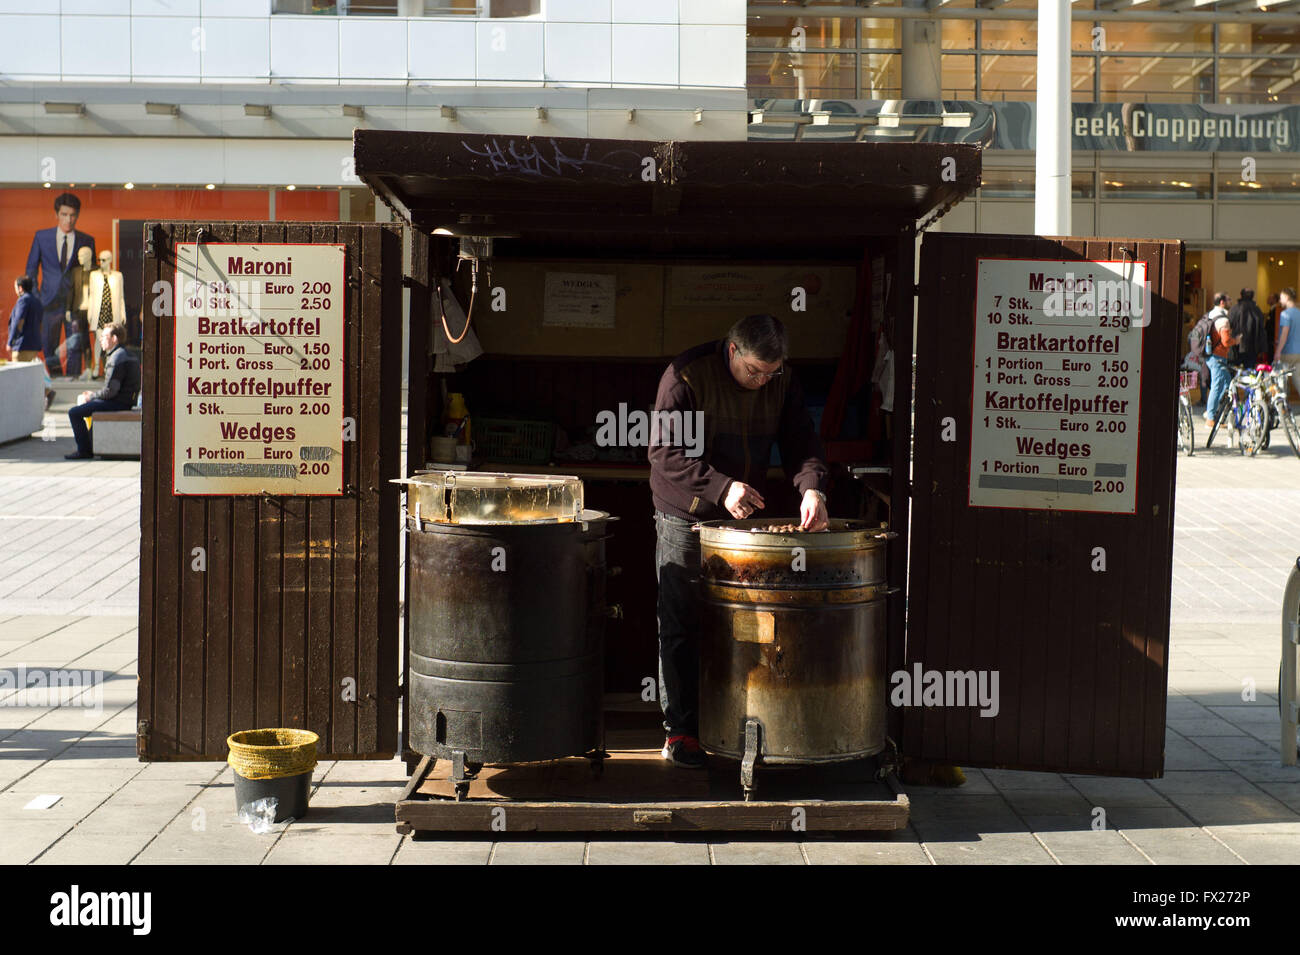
(1052, 129)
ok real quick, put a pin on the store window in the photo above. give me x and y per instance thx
(1265, 185)
(879, 34)
(1156, 79)
(802, 75)
(958, 34)
(958, 79)
(1019, 184)
(1259, 79)
(1162, 37)
(1144, 184)
(794, 33)
(1022, 36)
(882, 76)
(1269, 38)
(1006, 77)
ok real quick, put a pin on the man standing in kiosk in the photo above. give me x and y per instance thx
(740, 393)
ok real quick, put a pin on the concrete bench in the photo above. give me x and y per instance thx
(22, 399)
(116, 433)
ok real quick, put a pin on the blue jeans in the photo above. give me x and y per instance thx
(677, 567)
(1220, 375)
(78, 415)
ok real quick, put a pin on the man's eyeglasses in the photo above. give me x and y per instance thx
(760, 375)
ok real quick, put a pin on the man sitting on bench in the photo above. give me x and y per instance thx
(121, 387)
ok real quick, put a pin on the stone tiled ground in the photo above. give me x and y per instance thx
(68, 584)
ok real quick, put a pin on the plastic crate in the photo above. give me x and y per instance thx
(512, 441)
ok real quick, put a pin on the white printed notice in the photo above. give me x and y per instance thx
(579, 300)
(1058, 364)
(258, 401)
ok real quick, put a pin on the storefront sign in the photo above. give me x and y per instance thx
(579, 300)
(258, 401)
(1103, 127)
(1056, 379)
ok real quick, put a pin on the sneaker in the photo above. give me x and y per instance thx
(684, 751)
(77, 456)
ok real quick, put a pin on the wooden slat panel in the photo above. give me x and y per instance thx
(365, 666)
(298, 592)
(149, 463)
(1081, 656)
(245, 674)
(215, 638)
(900, 262)
(293, 584)
(927, 580)
(387, 345)
(999, 741)
(1063, 613)
(417, 425)
(346, 525)
(320, 632)
(167, 558)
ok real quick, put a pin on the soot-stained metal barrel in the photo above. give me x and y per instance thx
(792, 635)
(505, 665)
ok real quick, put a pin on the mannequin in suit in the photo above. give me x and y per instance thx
(105, 304)
(54, 252)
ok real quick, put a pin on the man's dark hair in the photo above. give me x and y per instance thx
(762, 336)
(25, 283)
(119, 332)
(1247, 293)
(1289, 292)
(67, 199)
(1222, 298)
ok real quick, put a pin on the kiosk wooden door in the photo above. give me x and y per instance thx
(1039, 579)
(274, 609)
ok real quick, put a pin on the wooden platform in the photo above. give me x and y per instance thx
(638, 791)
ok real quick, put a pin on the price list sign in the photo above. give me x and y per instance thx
(1057, 375)
(258, 401)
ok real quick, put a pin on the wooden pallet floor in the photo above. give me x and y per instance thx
(638, 791)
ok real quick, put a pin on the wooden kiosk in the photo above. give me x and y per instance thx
(688, 236)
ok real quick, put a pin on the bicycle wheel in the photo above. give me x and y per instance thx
(1287, 420)
(1254, 428)
(1186, 434)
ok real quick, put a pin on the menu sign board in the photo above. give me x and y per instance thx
(258, 400)
(1056, 380)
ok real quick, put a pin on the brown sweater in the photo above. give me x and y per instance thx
(740, 426)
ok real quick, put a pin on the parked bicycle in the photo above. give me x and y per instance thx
(1187, 380)
(1243, 413)
(1276, 387)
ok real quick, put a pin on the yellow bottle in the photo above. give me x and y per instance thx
(455, 415)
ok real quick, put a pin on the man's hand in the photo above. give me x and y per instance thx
(812, 512)
(84, 397)
(742, 500)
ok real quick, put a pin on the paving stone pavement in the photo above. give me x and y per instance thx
(69, 578)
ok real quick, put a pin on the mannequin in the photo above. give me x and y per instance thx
(104, 303)
(78, 341)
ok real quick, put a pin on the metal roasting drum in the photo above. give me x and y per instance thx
(506, 616)
(792, 643)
